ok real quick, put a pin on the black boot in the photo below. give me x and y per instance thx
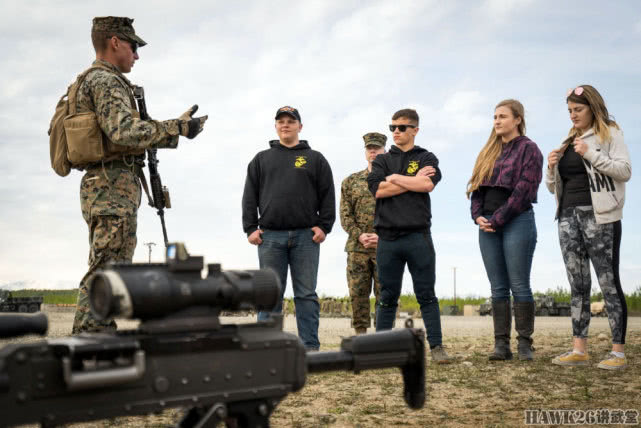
(502, 315)
(524, 323)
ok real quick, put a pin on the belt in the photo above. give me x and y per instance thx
(116, 163)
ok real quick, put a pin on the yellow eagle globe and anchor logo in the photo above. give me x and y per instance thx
(300, 161)
(412, 167)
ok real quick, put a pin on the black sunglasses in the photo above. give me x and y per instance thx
(401, 128)
(134, 46)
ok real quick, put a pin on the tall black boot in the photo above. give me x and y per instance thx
(502, 315)
(524, 323)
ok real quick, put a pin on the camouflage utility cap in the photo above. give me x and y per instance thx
(120, 26)
(374, 139)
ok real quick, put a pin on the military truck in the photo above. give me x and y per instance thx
(544, 306)
(8, 303)
(547, 306)
(486, 308)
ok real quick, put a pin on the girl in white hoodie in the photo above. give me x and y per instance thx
(587, 175)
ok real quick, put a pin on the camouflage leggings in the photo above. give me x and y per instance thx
(361, 278)
(582, 241)
(111, 239)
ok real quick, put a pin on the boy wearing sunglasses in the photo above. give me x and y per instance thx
(401, 180)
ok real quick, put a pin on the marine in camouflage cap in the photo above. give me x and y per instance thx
(118, 26)
(357, 208)
(374, 139)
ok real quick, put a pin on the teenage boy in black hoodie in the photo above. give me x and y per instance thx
(288, 209)
(401, 181)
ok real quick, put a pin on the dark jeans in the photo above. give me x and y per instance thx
(507, 255)
(417, 250)
(294, 248)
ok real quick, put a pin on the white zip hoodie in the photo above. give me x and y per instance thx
(608, 167)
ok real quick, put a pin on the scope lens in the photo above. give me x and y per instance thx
(100, 296)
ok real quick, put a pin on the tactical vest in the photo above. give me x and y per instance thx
(76, 139)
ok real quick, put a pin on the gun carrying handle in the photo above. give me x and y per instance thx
(77, 381)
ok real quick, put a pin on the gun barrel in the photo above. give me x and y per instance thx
(15, 325)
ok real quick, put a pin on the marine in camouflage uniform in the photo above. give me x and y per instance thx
(357, 218)
(110, 190)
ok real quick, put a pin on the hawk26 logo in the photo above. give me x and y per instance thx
(412, 167)
(300, 161)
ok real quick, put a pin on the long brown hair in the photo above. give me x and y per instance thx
(492, 150)
(602, 119)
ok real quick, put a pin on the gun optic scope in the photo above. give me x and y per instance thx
(147, 291)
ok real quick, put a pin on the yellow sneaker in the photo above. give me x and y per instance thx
(612, 362)
(571, 359)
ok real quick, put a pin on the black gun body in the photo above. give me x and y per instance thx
(67, 380)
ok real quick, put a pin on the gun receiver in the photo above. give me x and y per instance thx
(185, 357)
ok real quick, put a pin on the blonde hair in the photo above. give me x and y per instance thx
(602, 119)
(492, 150)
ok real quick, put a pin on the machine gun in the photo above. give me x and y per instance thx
(159, 197)
(181, 355)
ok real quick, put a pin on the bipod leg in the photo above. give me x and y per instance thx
(199, 417)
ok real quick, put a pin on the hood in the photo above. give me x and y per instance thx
(302, 144)
(394, 150)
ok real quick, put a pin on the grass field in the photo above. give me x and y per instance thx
(408, 302)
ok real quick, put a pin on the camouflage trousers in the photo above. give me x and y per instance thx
(111, 239)
(361, 278)
(582, 241)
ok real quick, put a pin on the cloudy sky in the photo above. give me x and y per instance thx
(348, 66)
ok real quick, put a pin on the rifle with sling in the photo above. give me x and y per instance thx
(159, 197)
(182, 355)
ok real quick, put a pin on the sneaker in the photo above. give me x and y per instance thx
(439, 355)
(612, 362)
(571, 359)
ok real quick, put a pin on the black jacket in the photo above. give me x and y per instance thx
(289, 188)
(409, 211)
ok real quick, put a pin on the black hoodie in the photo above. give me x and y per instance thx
(290, 188)
(410, 211)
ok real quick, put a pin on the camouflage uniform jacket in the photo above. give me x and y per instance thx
(357, 210)
(112, 189)
(108, 94)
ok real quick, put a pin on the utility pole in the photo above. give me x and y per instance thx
(150, 244)
(454, 269)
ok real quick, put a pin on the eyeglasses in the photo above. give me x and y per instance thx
(134, 47)
(401, 128)
(577, 91)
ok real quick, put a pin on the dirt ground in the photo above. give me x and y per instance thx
(470, 392)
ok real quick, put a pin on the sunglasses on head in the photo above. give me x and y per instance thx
(577, 91)
(401, 128)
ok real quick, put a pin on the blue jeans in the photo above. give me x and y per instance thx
(295, 248)
(507, 255)
(417, 250)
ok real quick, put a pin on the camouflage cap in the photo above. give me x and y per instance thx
(120, 26)
(374, 139)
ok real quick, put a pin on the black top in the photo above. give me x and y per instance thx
(493, 198)
(290, 188)
(576, 187)
(410, 211)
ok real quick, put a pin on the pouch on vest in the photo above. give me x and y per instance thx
(84, 138)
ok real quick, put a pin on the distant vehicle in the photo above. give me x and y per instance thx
(486, 308)
(597, 309)
(544, 306)
(8, 303)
